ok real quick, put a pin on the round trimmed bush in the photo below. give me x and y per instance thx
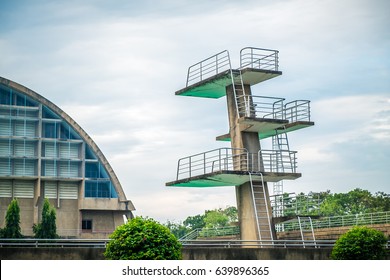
(360, 243)
(143, 239)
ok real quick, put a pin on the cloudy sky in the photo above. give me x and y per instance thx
(114, 66)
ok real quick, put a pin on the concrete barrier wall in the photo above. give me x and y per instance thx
(256, 254)
(12, 253)
(188, 254)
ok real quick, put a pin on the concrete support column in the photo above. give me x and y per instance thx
(250, 142)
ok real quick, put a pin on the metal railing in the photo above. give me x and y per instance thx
(36, 242)
(211, 161)
(208, 67)
(298, 110)
(341, 221)
(259, 243)
(257, 58)
(278, 160)
(102, 243)
(260, 106)
(228, 159)
(273, 108)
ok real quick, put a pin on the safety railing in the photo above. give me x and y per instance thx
(341, 221)
(260, 106)
(194, 234)
(259, 243)
(278, 160)
(298, 110)
(35, 242)
(208, 67)
(257, 58)
(102, 243)
(228, 159)
(212, 161)
(273, 108)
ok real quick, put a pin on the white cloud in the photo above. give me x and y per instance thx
(115, 68)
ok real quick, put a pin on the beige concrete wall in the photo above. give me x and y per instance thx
(26, 206)
(188, 254)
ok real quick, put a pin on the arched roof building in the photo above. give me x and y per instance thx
(44, 153)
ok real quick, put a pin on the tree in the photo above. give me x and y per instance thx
(360, 243)
(12, 221)
(232, 213)
(47, 228)
(194, 222)
(216, 218)
(357, 201)
(177, 229)
(143, 239)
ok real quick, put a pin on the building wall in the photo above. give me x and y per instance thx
(45, 154)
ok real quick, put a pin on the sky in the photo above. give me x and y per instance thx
(114, 67)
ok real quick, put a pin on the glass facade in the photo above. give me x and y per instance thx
(35, 142)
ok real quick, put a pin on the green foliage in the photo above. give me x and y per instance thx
(12, 221)
(303, 204)
(360, 243)
(221, 217)
(143, 239)
(194, 222)
(177, 229)
(216, 219)
(47, 227)
(357, 201)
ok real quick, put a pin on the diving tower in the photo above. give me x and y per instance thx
(252, 118)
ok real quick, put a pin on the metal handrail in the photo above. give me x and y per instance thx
(102, 243)
(286, 243)
(208, 67)
(261, 106)
(229, 159)
(298, 110)
(37, 242)
(258, 58)
(273, 108)
(344, 220)
(277, 161)
(211, 161)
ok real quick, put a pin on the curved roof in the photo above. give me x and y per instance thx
(98, 153)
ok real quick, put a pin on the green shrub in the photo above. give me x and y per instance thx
(12, 221)
(47, 228)
(143, 239)
(360, 243)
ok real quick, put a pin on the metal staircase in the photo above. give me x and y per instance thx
(307, 231)
(263, 215)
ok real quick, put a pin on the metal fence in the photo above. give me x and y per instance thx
(208, 67)
(228, 159)
(102, 243)
(61, 243)
(257, 58)
(341, 221)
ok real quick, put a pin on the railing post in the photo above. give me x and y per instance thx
(190, 167)
(200, 71)
(216, 64)
(204, 163)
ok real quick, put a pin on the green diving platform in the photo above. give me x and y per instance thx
(230, 178)
(210, 77)
(265, 129)
(215, 86)
(231, 167)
